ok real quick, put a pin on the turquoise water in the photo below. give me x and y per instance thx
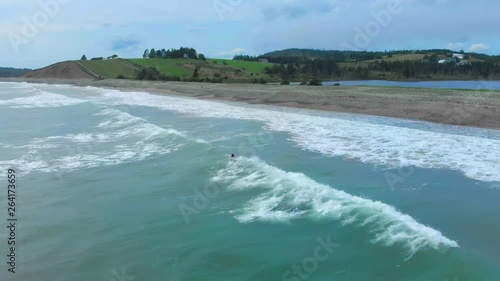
(135, 186)
(472, 85)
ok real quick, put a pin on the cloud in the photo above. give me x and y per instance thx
(124, 44)
(456, 45)
(293, 9)
(479, 47)
(226, 54)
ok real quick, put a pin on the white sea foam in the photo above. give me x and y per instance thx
(21, 85)
(289, 196)
(475, 156)
(120, 138)
(41, 99)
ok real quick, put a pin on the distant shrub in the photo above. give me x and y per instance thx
(218, 80)
(224, 62)
(315, 82)
(259, 81)
(285, 82)
(171, 78)
(336, 84)
(99, 58)
(303, 83)
(151, 74)
(196, 73)
(120, 77)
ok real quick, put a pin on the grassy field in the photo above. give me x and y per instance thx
(110, 68)
(250, 66)
(404, 57)
(175, 67)
(212, 68)
(183, 68)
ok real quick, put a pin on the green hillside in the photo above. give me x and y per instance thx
(228, 70)
(111, 69)
(177, 67)
(211, 68)
(250, 66)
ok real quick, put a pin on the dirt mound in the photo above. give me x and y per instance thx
(62, 70)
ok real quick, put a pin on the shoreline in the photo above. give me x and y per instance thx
(459, 107)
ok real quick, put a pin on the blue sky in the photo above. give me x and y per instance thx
(36, 33)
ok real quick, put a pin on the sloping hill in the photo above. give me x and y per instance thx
(211, 68)
(177, 67)
(250, 66)
(111, 68)
(229, 70)
(370, 56)
(62, 70)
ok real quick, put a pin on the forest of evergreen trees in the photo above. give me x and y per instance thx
(303, 63)
(383, 69)
(421, 70)
(13, 72)
(173, 53)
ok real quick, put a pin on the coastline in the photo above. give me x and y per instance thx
(446, 106)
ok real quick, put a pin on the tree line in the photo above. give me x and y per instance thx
(422, 70)
(382, 69)
(308, 69)
(182, 52)
(13, 72)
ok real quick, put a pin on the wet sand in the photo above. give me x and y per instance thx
(454, 107)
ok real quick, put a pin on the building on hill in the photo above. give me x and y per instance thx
(263, 60)
(186, 56)
(459, 56)
(450, 60)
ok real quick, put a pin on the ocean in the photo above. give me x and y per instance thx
(122, 186)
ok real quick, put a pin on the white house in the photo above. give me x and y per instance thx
(263, 60)
(449, 60)
(459, 56)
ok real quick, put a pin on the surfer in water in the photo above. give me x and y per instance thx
(232, 156)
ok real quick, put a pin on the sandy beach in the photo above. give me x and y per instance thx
(454, 107)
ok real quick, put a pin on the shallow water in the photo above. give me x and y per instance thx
(472, 85)
(114, 185)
